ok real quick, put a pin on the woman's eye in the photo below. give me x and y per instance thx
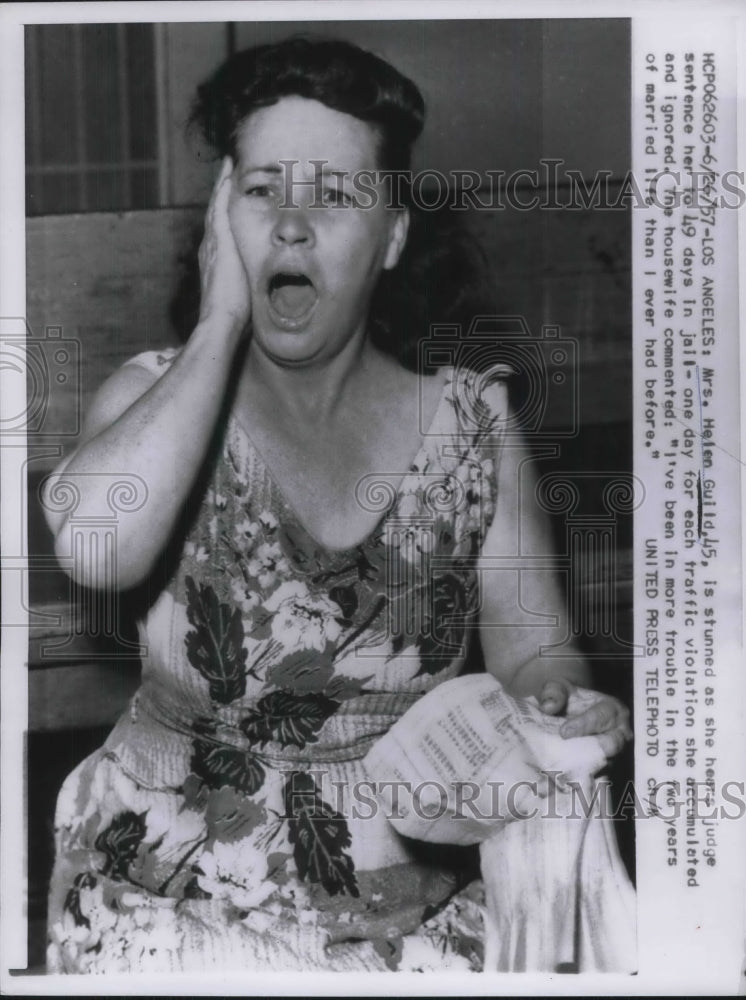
(260, 191)
(336, 198)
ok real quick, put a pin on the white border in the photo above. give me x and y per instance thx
(14, 640)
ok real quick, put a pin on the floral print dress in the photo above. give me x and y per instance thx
(228, 822)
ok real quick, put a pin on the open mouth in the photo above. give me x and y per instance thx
(291, 296)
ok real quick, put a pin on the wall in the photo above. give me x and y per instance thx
(500, 94)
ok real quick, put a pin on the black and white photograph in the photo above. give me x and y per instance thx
(370, 438)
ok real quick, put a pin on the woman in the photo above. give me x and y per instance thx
(308, 550)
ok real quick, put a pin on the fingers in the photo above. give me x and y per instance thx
(554, 697)
(605, 716)
(226, 169)
(220, 191)
(225, 295)
(216, 217)
(607, 719)
(599, 718)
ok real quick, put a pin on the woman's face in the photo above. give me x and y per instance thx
(312, 256)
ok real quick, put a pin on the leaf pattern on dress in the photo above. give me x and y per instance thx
(120, 842)
(287, 718)
(193, 890)
(443, 533)
(147, 868)
(299, 548)
(245, 563)
(390, 950)
(304, 670)
(341, 688)
(346, 598)
(371, 565)
(219, 765)
(72, 900)
(231, 816)
(215, 645)
(261, 626)
(443, 628)
(319, 836)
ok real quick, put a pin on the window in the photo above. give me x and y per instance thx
(91, 118)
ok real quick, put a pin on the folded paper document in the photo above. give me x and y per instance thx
(468, 763)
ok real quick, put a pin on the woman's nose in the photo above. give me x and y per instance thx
(292, 226)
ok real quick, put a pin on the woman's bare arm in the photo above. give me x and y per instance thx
(158, 429)
(523, 609)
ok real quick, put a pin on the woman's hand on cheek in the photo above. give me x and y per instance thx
(225, 292)
(589, 713)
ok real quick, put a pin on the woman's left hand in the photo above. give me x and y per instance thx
(589, 713)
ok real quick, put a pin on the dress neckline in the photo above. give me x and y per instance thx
(237, 428)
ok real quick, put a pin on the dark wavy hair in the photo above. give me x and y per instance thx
(440, 275)
(332, 72)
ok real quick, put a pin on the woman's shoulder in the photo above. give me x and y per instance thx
(468, 402)
(478, 398)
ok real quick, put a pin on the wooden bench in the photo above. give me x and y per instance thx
(99, 288)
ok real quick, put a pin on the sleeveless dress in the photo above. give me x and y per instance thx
(228, 822)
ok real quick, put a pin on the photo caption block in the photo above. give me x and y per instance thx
(688, 686)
